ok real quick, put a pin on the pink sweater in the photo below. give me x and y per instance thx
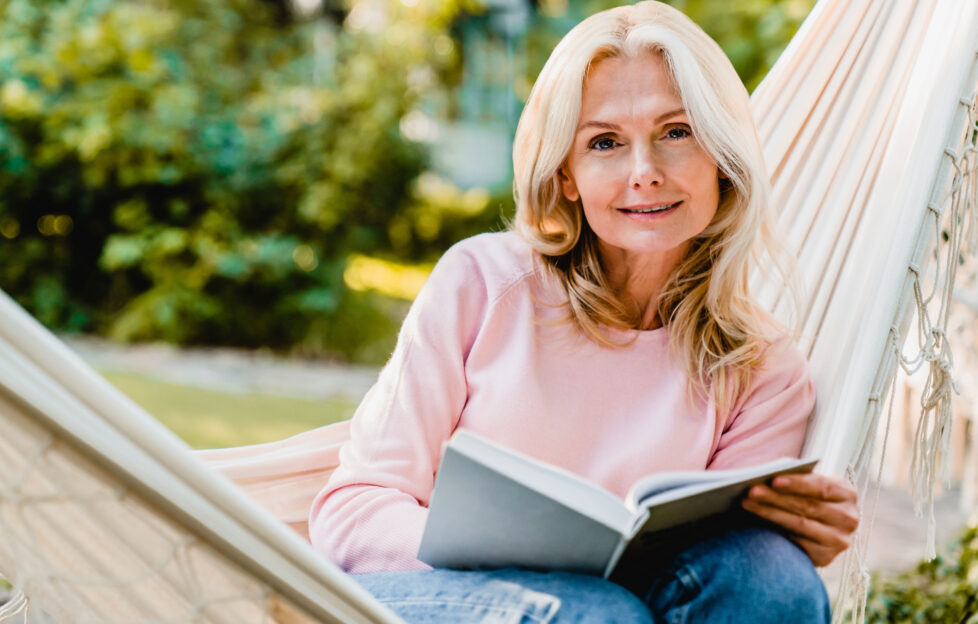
(484, 348)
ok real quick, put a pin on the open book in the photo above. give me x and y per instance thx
(493, 507)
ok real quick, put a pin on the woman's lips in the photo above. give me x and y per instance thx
(649, 210)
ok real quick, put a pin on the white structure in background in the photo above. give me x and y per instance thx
(475, 149)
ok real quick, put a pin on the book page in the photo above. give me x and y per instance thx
(666, 486)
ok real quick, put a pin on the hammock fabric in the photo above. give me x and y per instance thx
(284, 476)
(869, 123)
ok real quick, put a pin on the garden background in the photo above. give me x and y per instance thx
(263, 173)
(281, 174)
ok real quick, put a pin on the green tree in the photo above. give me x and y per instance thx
(198, 171)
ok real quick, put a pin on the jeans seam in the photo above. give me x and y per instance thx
(544, 618)
(678, 616)
(686, 576)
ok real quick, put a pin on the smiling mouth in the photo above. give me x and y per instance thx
(650, 209)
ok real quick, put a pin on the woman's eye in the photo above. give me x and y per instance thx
(678, 132)
(602, 144)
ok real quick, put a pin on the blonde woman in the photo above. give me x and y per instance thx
(611, 333)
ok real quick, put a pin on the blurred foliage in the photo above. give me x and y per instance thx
(753, 33)
(935, 592)
(204, 171)
(390, 278)
(198, 171)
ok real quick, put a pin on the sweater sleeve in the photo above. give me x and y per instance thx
(771, 421)
(371, 514)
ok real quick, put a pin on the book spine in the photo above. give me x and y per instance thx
(615, 556)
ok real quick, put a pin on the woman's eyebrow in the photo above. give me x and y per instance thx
(598, 124)
(672, 113)
(604, 125)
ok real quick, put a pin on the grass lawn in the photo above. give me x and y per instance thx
(210, 419)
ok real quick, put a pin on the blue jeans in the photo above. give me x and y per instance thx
(742, 575)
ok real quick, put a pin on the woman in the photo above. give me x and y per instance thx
(610, 333)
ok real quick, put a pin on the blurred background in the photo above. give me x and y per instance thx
(271, 173)
(226, 206)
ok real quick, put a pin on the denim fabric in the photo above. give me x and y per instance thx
(507, 596)
(743, 575)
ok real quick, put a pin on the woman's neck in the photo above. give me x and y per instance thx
(638, 279)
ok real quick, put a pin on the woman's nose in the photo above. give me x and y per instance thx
(646, 171)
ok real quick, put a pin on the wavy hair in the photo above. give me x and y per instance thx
(716, 329)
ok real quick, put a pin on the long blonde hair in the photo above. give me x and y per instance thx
(715, 327)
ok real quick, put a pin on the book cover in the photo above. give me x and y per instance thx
(493, 507)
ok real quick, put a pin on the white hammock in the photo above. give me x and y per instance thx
(106, 516)
(868, 122)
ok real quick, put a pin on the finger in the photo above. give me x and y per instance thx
(842, 515)
(815, 486)
(818, 553)
(818, 532)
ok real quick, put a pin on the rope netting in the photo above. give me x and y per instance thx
(948, 236)
(85, 547)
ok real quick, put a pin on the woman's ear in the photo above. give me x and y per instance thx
(723, 181)
(567, 185)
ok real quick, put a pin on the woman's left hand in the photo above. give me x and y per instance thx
(818, 512)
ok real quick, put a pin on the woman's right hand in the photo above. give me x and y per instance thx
(819, 513)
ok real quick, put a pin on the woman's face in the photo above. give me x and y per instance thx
(646, 185)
